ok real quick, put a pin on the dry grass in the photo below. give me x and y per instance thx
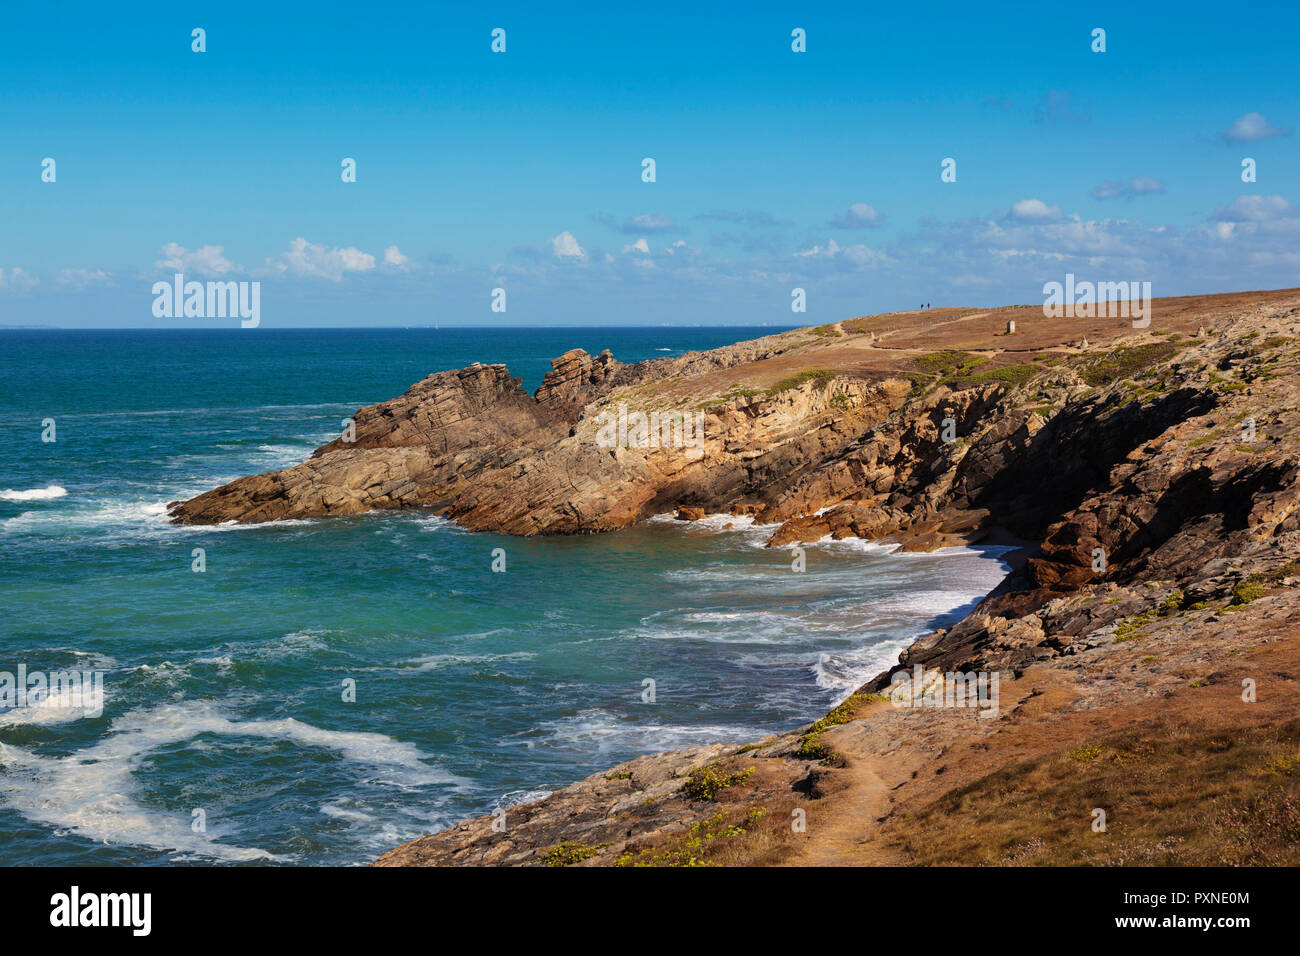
(1174, 794)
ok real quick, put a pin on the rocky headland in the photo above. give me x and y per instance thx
(1144, 642)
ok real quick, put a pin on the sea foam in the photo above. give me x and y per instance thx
(91, 792)
(34, 494)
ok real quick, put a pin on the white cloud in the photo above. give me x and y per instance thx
(310, 260)
(566, 247)
(81, 278)
(640, 246)
(1253, 209)
(208, 260)
(1251, 128)
(847, 257)
(830, 249)
(393, 257)
(1009, 239)
(1033, 210)
(17, 280)
(858, 216)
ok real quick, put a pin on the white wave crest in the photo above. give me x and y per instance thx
(63, 706)
(34, 494)
(597, 730)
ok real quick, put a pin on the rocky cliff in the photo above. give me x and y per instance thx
(472, 445)
(1154, 474)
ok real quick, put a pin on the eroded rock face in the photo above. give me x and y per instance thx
(1147, 503)
(420, 449)
(473, 445)
(576, 378)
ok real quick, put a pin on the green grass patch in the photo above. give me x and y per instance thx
(1243, 592)
(1129, 628)
(822, 376)
(700, 844)
(810, 745)
(706, 783)
(1124, 362)
(1049, 358)
(1007, 375)
(570, 852)
(1085, 754)
(949, 362)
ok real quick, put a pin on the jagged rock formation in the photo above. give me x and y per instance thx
(473, 445)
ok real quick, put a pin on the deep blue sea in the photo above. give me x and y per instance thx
(225, 736)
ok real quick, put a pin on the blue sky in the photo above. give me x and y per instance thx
(522, 170)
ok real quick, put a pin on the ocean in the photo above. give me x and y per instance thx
(325, 690)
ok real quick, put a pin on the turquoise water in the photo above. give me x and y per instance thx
(473, 690)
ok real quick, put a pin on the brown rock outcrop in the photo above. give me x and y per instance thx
(473, 445)
(418, 450)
